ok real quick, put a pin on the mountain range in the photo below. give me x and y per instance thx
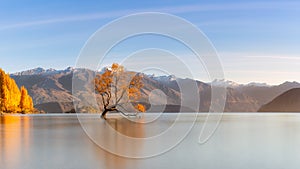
(51, 91)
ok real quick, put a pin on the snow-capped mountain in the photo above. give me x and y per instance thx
(232, 84)
(42, 71)
(164, 78)
(224, 83)
(35, 71)
(103, 69)
(258, 84)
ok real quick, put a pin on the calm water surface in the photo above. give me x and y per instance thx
(247, 141)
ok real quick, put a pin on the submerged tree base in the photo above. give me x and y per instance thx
(103, 115)
(106, 110)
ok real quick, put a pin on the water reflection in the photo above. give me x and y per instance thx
(127, 128)
(242, 141)
(15, 138)
(59, 142)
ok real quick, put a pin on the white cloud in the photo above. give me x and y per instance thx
(241, 55)
(274, 57)
(173, 9)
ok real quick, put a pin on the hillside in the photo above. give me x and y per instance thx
(265, 94)
(288, 101)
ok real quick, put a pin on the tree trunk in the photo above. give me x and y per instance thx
(106, 110)
(103, 115)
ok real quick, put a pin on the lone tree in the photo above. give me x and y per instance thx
(118, 88)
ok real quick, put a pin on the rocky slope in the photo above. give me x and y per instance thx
(265, 94)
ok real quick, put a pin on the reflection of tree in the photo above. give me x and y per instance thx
(127, 128)
(117, 88)
(15, 140)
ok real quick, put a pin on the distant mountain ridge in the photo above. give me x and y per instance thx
(51, 86)
(265, 94)
(232, 84)
(42, 71)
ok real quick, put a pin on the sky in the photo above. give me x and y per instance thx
(257, 41)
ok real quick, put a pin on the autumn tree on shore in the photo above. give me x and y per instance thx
(12, 100)
(117, 88)
(25, 101)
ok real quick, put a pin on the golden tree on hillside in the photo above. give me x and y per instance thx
(26, 101)
(117, 88)
(3, 91)
(11, 97)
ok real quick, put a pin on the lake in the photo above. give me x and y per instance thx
(242, 140)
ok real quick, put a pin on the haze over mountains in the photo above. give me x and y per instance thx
(51, 91)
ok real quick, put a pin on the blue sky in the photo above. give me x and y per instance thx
(256, 40)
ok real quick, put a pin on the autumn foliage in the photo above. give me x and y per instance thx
(140, 107)
(13, 99)
(118, 88)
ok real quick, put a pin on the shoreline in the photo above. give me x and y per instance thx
(170, 113)
(19, 114)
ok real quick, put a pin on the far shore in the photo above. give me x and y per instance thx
(2, 113)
